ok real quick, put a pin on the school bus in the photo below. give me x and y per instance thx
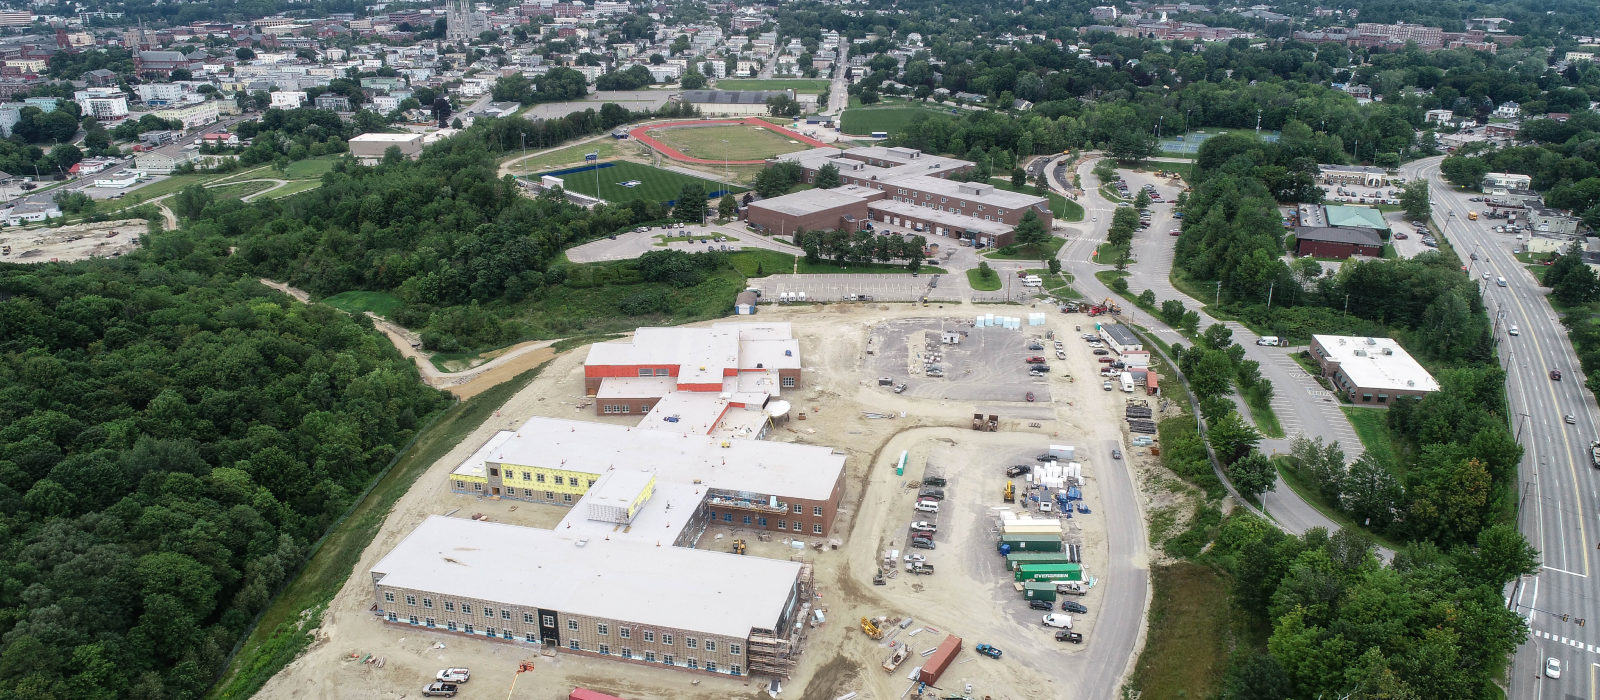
(1472, 215)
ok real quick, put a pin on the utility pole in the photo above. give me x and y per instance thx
(1258, 123)
(1520, 425)
(1270, 286)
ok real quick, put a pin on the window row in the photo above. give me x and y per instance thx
(816, 528)
(526, 493)
(668, 659)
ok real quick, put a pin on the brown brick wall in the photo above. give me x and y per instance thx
(778, 223)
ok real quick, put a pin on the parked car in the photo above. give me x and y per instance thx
(930, 493)
(1116, 453)
(453, 675)
(1108, 360)
(1065, 636)
(1036, 346)
(924, 526)
(988, 651)
(1101, 352)
(1039, 604)
(1040, 367)
(1401, 235)
(1034, 359)
(1061, 354)
(927, 506)
(1073, 606)
(922, 543)
(439, 689)
(1030, 397)
(1106, 385)
(1016, 470)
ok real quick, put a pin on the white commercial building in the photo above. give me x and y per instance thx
(104, 104)
(369, 149)
(1510, 181)
(1370, 370)
(288, 99)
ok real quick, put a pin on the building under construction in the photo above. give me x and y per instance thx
(614, 597)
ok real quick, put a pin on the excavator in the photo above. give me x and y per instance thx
(871, 629)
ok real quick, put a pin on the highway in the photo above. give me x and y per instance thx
(1557, 484)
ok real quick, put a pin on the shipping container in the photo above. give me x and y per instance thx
(1039, 590)
(1016, 559)
(1032, 543)
(940, 660)
(1049, 572)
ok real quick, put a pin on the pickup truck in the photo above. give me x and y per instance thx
(919, 567)
(453, 675)
(439, 689)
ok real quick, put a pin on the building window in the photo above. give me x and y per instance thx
(643, 408)
(488, 631)
(466, 609)
(505, 614)
(461, 484)
(783, 524)
(477, 486)
(816, 529)
(646, 372)
(727, 517)
(734, 650)
(561, 481)
(530, 637)
(539, 478)
(747, 520)
(413, 619)
(711, 645)
(566, 497)
(411, 600)
(549, 620)
(649, 656)
(1383, 398)
(393, 618)
(507, 634)
(691, 643)
(527, 476)
(735, 670)
(663, 372)
(388, 596)
(488, 612)
(666, 659)
(550, 495)
(427, 602)
(573, 645)
(602, 628)
(711, 666)
(494, 471)
(527, 493)
(649, 635)
(816, 510)
(429, 622)
(605, 649)
(797, 508)
(788, 382)
(450, 625)
(591, 482)
(527, 618)
(624, 633)
(667, 640)
(763, 522)
(796, 526)
(627, 653)
(692, 663)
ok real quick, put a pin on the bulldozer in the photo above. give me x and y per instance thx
(871, 629)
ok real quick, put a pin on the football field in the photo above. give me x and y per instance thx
(623, 181)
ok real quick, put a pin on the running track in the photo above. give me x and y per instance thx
(641, 134)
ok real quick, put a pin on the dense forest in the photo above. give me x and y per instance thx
(173, 442)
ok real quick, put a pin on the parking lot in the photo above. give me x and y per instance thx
(987, 365)
(884, 287)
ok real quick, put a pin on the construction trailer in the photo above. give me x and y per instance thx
(940, 660)
(1030, 543)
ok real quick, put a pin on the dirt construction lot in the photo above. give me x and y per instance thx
(971, 595)
(71, 243)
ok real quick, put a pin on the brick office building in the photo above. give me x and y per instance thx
(1337, 241)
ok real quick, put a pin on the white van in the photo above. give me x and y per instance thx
(928, 506)
(1269, 340)
(1500, 281)
(1058, 620)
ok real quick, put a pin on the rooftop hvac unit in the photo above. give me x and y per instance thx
(1388, 351)
(1411, 382)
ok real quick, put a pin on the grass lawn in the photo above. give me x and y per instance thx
(1107, 254)
(240, 190)
(1057, 284)
(380, 303)
(1303, 487)
(809, 86)
(1184, 169)
(1060, 207)
(1372, 426)
(311, 168)
(984, 284)
(1016, 252)
(654, 184)
(744, 142)
(282, 632)
(862, 121)
(760, 262)
(295, 187)
(1261, 413)
(662, 240)
(571, 155)
(1193, 626)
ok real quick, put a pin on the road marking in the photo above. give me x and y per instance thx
(1564, 571)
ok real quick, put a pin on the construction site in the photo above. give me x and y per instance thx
(908, 592)
(42, 244)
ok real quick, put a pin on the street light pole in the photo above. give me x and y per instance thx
(1520, 425)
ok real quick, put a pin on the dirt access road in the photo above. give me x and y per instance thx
(497, 366)
(970, 595)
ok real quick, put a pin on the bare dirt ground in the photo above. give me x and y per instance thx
(970, 596)
(72, 242)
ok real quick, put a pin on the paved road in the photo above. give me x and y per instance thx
(1557, 483)
(85, 184)
(838, 95)
(1302, 406)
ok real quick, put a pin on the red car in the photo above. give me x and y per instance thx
(1034, 359)
(1107, 359)
(1030, 396)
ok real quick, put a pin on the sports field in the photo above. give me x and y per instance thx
(862, 121)
(799, 85)
(622, 181)
(743, 142)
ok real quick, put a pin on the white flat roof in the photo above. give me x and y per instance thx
(621, 579)
(702, 354)
(395, 138)
(635, 387)
(758, 466)
(616, 488)
(659, 521)
(1376, 363)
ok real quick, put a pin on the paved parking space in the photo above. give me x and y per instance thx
(986, 366)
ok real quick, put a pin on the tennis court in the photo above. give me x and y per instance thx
(624, 181)
(1190, 142)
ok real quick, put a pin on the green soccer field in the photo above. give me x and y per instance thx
(654, 184)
